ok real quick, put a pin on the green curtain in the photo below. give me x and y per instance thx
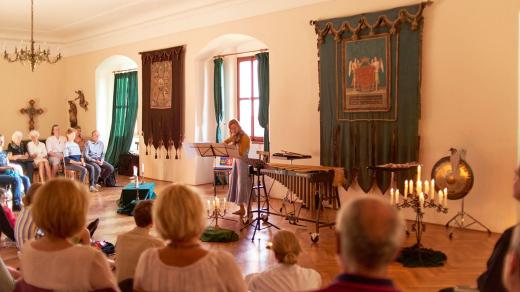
(263, 89)
(124, 113)
(218, 94)
(358, 140)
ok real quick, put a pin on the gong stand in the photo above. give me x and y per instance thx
(461, 223)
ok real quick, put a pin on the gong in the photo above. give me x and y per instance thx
(458, 185)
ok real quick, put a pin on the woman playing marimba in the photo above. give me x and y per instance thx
(239, 184)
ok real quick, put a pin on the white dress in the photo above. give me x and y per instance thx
(286, 278)
(77, 268)
(215, 272)
(40, 150)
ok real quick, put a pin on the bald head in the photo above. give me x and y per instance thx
(370, 234)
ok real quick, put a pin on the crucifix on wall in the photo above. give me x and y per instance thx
(32, 112)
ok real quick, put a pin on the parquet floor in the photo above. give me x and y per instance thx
(467, 252)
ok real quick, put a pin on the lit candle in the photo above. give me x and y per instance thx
(397, 196)
(421, 201)
(418, 172)
(391, 196)
(445, 197)
(405, 188)
(410, 187)
(440, 197)
(419, 186)
(427, 187)
(209, 205)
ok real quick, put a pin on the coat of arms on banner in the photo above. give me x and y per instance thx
(160, 95)
(366, 78)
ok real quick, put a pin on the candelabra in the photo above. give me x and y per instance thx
(217, 208)
(419, 200)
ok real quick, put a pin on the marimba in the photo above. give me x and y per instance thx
(313, 185)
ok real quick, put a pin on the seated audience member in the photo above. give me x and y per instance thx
(184, 265)
(24, 228)
(55, 144)
(95, 155)
(9, 177)
(74, 160)
(8, 275)
(130, 245)
(8, 213)
(38, 153)
(18, 154)
(370, 232)
(79, 139)
(54, 262)
(491, 279)
(287, 275)
(511, 270)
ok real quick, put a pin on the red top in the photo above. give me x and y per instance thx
(349, 282)
(10, 216)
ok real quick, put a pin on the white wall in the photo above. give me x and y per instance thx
(469, 90)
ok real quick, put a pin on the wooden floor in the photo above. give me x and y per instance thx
(467, 252)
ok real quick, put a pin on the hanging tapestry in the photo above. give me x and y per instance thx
(370, 74)
(163, 100)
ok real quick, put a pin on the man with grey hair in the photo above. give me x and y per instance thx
(94, 154)
(369, 235)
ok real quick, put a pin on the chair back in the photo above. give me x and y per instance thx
(22, 286)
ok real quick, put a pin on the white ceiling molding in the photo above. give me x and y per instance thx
(103, 25)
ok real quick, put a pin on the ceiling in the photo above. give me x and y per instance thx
(73, 23)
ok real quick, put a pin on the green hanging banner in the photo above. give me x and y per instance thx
(370, 75)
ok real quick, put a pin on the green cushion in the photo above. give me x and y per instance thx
(212, 234)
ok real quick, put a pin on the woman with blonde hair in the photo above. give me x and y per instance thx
(53, 262)
(184, 264)
(287, 275)
(74, 160)
(38, 152)
(239, 184)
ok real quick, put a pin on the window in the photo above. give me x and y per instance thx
(247, 97)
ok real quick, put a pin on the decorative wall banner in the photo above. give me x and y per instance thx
(161, 95)
(370, 74)
(163, 99)
(365, 81)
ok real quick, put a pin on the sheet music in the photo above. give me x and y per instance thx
(216, 150)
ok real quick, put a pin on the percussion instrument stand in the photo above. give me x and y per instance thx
(262, 214)
(459, 221)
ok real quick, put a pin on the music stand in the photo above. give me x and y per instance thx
(216, 150)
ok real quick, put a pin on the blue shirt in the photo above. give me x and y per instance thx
(3, 158)
(71, 152)
(4, 162)
(94, 151)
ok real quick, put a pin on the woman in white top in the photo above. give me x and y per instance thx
(53, 262)
(287, 276)
(184, 265)
(38, 153)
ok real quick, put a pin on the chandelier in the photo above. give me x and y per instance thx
(30, 54)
